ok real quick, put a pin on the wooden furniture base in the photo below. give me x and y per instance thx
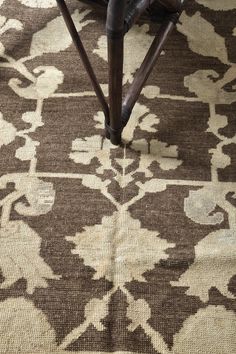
(121, 16)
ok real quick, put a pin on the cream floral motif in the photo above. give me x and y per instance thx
(45, 84)
(216, 252)
(84, 150)
(203, 83)
(200, 205)
(156, 151)
(208, 43)
(55, 37)
(7, 130)
(6, 25)
(19, 257)
(139, 313)
(211, 45)
(95, 311)
(40, 196)
(9, 133)
(115, 248)
(20, 245)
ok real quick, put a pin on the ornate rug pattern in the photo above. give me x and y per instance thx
(126, 249)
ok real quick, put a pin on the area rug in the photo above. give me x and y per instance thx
(127, 249)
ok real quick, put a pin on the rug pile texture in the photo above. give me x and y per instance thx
(127, 249)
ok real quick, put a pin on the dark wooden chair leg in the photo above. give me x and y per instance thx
(83, 55)
(115, 38)
(147, 66)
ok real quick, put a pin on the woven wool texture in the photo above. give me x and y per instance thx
(127, 249)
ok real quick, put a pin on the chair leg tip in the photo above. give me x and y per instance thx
(115, 139)
(113, 136)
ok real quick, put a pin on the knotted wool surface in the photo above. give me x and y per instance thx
(127, 249)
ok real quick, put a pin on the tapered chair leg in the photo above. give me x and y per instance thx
(147, 66)
(115, 39)
(83, 55)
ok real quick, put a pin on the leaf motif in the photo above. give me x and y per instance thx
(219, 4)
(142, 118)
(7, 132)
(216, 253)
(99, 119)
(28, 151)
(24, 328)
(40, 195)
(95, 311)
(19, 257)
(200, 204)
(55, 37)
(151, 91)
(204, 84)
(11, 24)
(123, 179)
(202, 38)
(152, 186)
(43, 87)
(138, 312)
(219, 159)
(217, 122)
(166, 156)
(33, 118)
(148, 123)
(86, 149)
(94, 182)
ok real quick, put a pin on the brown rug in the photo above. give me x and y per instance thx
(117, 249)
